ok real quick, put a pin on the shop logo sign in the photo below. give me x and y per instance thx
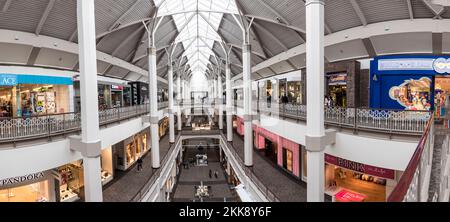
(8, 80)
(442, 65)
(21, 179)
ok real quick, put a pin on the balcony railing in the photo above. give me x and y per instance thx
(413, 185)
(271, 197)
(391, 121)
(20, 129)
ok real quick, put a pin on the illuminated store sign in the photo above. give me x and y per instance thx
(441, 65)
(360, 167)
(22, 179)
(8, 80)
(406, 64)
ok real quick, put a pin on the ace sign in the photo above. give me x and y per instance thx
(8, 80)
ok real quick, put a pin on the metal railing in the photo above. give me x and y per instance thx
(391, 121)
(157, 174)
(163, 105)
(413, 185)
(34, 127)
(271, 197)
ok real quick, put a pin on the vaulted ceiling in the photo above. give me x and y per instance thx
(201, 29)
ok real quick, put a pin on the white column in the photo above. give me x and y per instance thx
(315, 92)
(153, 95)
(179, 98)
(220, 100)
(247, 86)
(89, 98)
(229, 103)
(171, 117)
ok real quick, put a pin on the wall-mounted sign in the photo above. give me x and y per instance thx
(442, 65)
(116, 87)
(14, 79)
(8, 80)
(359, 167)
(337, 79)
(405, 64)
(22, 179)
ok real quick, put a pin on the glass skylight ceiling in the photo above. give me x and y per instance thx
(203, 19)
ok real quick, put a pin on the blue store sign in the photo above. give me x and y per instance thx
(13, 79)
(8, 80)
(393, 77)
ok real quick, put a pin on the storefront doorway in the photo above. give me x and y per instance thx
(337, 89)
(270, 150)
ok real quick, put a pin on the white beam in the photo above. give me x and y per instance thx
(267, 6)
(41, 41)
(6, 5)
(117, 22)
(359, 12)
(272, 36)
(362, 32)
(437, 10)
(410, 9)
(44, 17)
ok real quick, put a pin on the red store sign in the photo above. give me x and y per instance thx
(359, 167)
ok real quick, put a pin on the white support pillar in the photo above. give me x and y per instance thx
(229, 102)
(171, 116)
(220, 100)
(153, 96)
(315, 129)
(247, 86)
(179, 98)
(90, 139)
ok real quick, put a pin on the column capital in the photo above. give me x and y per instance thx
(309, 2)
(87, 149)
(318, 143)
(151, 50)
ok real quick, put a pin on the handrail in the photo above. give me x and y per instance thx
(268, 194)
(43, 126)
(147, 186)
(410, 122)
(401, 189)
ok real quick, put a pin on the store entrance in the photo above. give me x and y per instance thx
(338, 94)
(442, 90)
(6, 108)
(270, 150)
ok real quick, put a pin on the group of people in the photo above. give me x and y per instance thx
(329, 102)
(216, 174)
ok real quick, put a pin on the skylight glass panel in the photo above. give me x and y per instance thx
(198, 32)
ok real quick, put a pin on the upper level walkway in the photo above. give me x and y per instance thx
(398, 122)
(46, 126)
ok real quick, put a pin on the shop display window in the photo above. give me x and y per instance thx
(294, 92)
(6, 106)
(71, 181)
(36, 192)
(413, 94)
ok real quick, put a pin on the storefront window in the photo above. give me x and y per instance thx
(294, 92)
(288, 160)
(116, 96)
(337, 89)
(72, 180)
(413, 94)
(36, 192)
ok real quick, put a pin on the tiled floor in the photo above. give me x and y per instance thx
(127, 184)
(219, 189)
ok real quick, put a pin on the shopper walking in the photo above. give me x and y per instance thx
(139, 164)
